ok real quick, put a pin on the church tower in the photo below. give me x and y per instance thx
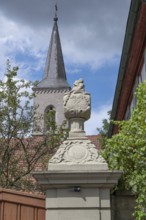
(50, 90)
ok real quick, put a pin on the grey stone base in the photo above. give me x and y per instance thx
(122, 205)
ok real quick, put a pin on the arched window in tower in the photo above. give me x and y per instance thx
(50, 119)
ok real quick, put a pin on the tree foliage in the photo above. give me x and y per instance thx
(126, 151)
(20, 153)
(103, 131)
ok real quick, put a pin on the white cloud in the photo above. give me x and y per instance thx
(75, 70)
(16, 41)
(97, 115)
(91, 33)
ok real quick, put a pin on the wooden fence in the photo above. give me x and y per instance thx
(21, 206)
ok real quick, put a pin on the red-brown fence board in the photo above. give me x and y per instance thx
(21, 206)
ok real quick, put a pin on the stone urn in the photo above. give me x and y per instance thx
(77, 108)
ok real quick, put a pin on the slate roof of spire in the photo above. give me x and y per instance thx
(54, 74)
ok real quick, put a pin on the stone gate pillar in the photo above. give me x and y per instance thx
(78, 181)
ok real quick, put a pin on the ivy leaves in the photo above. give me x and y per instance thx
(126, 151)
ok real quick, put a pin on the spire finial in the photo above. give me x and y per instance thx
(56, 9)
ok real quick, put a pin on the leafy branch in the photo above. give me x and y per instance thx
(126, 151)
(20, 153)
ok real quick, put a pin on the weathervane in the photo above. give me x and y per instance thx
(56, 9)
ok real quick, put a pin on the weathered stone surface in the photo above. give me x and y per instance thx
(77, 102)
(77, 165)
(123, 203)
(76, 151)
(45, 98)
(77, 154)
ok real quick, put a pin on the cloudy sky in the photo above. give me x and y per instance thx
(92, 34)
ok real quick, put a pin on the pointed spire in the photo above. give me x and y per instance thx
(54, 74)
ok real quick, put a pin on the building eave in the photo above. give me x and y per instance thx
(128, 40)
(51, 88)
